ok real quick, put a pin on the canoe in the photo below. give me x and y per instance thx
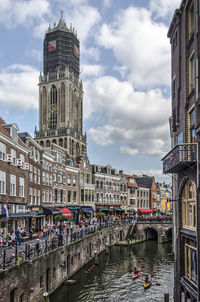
(147, 284)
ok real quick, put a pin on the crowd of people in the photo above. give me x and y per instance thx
(66, 228)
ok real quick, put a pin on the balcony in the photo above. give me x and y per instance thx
(180, 157)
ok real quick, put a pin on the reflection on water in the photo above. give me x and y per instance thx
(111, 280)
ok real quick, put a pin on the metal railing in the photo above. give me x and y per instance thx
(34, 248)
(181, 156)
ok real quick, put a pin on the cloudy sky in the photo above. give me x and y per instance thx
(125, 68)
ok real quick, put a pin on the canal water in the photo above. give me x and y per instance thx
(111, 280)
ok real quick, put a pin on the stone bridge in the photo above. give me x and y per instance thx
(162, 231)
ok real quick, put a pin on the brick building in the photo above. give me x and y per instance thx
(13, 177)
(183, 159)
(148, 197)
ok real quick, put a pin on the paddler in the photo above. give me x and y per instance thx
(135, 271)
(147, 280)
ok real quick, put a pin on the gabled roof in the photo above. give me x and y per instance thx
(2, 121)
(145, 182)
(129, 184)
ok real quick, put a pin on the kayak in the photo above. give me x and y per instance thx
(134, 276)
(147, 284)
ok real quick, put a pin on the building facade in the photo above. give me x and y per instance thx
(183, 159)
(13, 177)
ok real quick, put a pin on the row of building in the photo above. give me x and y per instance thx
(38, 183)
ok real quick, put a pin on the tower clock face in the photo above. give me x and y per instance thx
(52, 45)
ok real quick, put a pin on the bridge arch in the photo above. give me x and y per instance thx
(168, 234)
(150, 233)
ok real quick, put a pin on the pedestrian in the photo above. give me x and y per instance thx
(18, 236)
(13, 238)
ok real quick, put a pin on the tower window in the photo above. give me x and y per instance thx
(53, 108)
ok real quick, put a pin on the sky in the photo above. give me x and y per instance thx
(125, 69)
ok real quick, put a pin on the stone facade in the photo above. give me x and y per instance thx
(110, 187)
(33, 279)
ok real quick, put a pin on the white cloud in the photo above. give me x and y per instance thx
(18, 87)
(158, 174)
(136, 120)
(20, 12)
(162, 8)
(91, 70)
(140, 45)
(84, 19)
(107, 3)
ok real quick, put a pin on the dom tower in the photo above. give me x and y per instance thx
(61, 92)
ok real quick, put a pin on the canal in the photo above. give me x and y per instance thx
(111, 280)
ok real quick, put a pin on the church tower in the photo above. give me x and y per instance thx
(61, 92)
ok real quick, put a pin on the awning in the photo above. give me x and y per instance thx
(87, 209)
(73, 209)
(66, 212)
(145, 211)
(51, 211)
(104, 210)
(119, 210)
(19, 215)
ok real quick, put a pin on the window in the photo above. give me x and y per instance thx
(14, 156)
(22, 158)
(132, 190)
(50, 196)
(69, 179)
(61, 196)
(132, 202)
(97, 197)
(56, 195)
(2, 182)
(31, 195)
(69, 196)
(31, 173)
(43, 178)
(191, 19)
(53, 108)
(97, 184)
(174, 88)
(21, 187)
(2, 151)
(43, 195)
(88, 178)
(35, 175)
(35, 196)
(191, 263)
(74, 196)
(191, 72)
(74, 180)
(189, 205)
(12, 185)
(38, 193)
(50, 179)
(39, 176)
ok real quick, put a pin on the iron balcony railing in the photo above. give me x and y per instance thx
(179, 158)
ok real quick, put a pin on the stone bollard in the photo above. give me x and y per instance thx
(96, 258)
(166, 297)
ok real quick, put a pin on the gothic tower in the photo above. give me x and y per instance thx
(61, 92)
